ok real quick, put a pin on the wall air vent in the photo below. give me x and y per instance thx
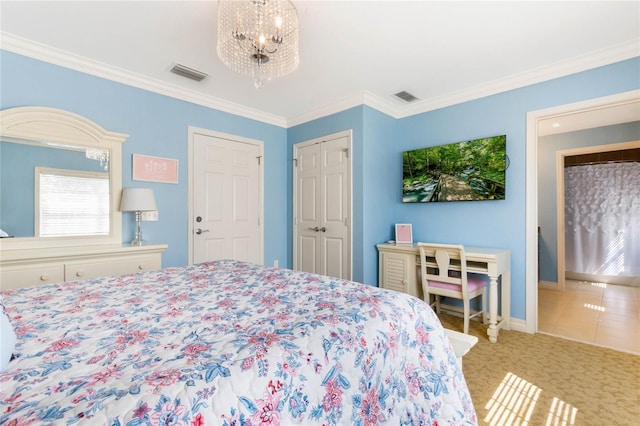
(188, 72)
(405, 96)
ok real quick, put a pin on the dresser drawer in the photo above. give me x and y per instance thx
(17, 277)
(109, 267)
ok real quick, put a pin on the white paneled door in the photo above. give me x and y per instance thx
(322, 206)
(226, 214)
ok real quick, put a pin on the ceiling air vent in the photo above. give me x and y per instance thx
(405, 96)
(188, 72)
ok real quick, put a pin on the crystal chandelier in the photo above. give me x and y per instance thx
(258, 37)
(101, 155)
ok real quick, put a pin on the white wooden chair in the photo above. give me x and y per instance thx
(444, 273)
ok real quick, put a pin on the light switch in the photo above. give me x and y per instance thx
(151, 216)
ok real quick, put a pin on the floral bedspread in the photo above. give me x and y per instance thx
(228, 343)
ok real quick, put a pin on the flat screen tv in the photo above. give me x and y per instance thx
(463, 171)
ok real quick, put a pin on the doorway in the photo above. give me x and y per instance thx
(582, 306)
(322, 206)
(598, 112)
(225, 218)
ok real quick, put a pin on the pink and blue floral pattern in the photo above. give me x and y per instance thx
(228, 343)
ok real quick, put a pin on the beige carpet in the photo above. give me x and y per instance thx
(543, 380)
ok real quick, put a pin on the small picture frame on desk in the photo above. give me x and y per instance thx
(404, 233)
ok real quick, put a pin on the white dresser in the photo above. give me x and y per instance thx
(27, 267)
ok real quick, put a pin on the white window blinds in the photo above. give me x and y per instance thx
(72, 203)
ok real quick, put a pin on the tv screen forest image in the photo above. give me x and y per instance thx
(463, 171)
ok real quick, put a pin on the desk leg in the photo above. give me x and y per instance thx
(505, 311)
(492, 331)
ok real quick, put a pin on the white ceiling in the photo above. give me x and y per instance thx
(350, 51)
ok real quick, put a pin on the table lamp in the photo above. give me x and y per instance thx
(138, 200)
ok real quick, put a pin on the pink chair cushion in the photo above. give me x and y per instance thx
(473, 284)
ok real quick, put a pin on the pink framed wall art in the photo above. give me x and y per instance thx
(154, 169)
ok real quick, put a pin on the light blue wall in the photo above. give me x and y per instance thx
(373, 174)
(381, 188)
(498, 223)
(477, 223)
(157, 125)
(350, 119)
(548, 146)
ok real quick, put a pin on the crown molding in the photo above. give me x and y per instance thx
(594, 59)
(333, 108)
(361, 98)
(42, 52)
(598, 58)
(389, 106)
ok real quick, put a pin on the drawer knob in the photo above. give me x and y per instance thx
(79, 274)
(141, 266)
(44, 277)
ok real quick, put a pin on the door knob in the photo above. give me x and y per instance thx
(315, 229)
(323, 229)
(201, 231)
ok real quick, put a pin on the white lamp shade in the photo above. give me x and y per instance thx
(137, 199)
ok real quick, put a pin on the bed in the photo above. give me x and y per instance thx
(227, 343)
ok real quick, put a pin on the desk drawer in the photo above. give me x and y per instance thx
(17, 277)
(110, 267)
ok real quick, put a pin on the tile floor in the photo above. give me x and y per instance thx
(602, 314)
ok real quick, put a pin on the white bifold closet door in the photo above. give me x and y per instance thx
(322, 206)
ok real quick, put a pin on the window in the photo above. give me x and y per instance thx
(71, 203)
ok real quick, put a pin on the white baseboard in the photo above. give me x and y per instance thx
(609, 279)
(551, 285)
(518, 324)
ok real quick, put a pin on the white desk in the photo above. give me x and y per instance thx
(399, 270)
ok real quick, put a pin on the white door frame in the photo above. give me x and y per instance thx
(531, 204)
(348, 134)
(232, 138)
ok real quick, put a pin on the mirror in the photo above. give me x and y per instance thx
(41, 145)
(35, 175)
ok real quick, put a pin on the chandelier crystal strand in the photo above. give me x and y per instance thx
(101, 155)
(258, 38)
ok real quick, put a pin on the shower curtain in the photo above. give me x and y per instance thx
(602, 219)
